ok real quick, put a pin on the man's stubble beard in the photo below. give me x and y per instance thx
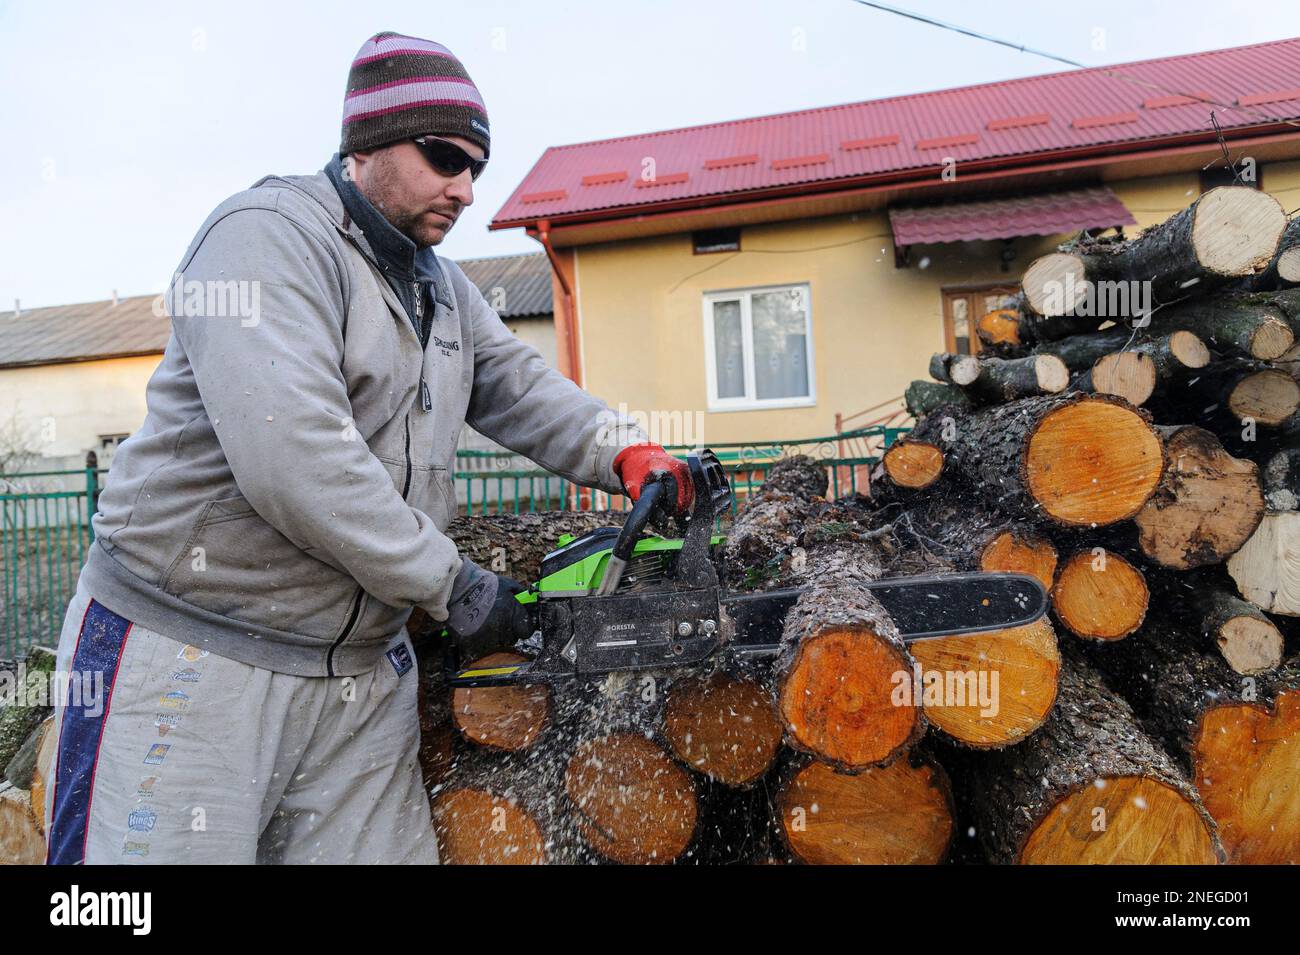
(385, 194)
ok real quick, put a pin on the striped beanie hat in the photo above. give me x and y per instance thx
(401, 87)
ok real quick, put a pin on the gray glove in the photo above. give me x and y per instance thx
(483, 614)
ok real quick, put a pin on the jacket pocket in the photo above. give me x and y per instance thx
(236, 564)
(444, 489)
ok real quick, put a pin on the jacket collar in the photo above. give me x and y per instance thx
(322, 188)
(395, 252)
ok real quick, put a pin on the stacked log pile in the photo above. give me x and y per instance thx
(1135, 452)
(1163, 481)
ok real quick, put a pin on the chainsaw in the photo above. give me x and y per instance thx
(615, 599)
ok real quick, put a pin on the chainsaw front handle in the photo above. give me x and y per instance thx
(636, 522)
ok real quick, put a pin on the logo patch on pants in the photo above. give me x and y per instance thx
(400, 658)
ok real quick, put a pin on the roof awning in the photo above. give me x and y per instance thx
(1047, 214)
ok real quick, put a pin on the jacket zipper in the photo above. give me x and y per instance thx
(406, 484)
(422, 331)
(353, 618)
(426, 402)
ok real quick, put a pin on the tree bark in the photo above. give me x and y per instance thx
(1237, 736)
(1282, 480)
(514, 544)
(1089, 787)
(925, 397)
(766, 531)
(1080, 460)
(1229, 232)
(835, 675)
(18, 720)
(1248, 325)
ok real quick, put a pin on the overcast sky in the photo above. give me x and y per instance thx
(124, 124)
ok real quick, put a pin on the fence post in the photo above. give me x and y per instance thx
(92, 492)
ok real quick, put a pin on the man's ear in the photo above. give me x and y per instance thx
(352, 163)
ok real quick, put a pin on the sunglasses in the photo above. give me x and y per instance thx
(448, 159)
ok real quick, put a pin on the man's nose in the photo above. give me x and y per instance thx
(461, 188)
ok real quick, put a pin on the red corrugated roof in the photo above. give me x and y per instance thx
(1014, 119)
(1048, 214)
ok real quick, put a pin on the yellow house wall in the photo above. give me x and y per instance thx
(874, 326)
(63, 409)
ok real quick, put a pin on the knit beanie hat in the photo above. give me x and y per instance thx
(401, 87)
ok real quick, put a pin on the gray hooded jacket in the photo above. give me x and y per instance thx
(284, 502)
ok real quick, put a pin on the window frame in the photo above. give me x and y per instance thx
(748, 402)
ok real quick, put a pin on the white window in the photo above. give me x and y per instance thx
(758, 348)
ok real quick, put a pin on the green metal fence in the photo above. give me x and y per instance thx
(492, 485)
(45, 526)
(44, 534)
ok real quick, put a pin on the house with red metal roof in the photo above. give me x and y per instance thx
(778, 276)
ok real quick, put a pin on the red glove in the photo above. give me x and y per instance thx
(637, 463)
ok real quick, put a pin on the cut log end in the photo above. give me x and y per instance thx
(1267, 568)
(1100, 596)
(1236, 231)
(1188, 349)
(475, 827)
(1093, 462)
(989, 690)
(1247, 769)
(21, 842)
(1267, 397)
(1048, 278)
(964, 370)
(837, 698)
(1021, 554)
(1129, 375)
(999, 327)
(896, 815)
(1288, 265)
(722, 727)
(913, 464)
(1207, 506)
(634, 804)
(1129, 820)
(1052, 375)
(1270, 339)
(1250, 645)
(503, 717)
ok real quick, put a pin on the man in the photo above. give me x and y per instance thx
(262, 539)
